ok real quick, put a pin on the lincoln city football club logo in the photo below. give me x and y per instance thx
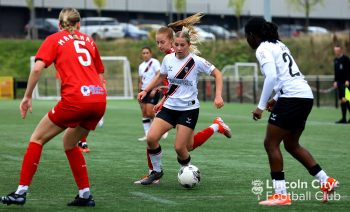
(257, 188)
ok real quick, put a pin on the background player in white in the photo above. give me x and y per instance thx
(147, 71)
(181, 107)
(289, 108)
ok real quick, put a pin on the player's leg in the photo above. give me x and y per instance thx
(146, 121)
(343, 104)
(44, 131)
(274, 136)
(202, 136)
(78, 165)
(154, 150)
(184, 135)
(291, 144)
(83, 145)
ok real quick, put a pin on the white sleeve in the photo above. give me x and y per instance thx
(269, 70)
(156, 65)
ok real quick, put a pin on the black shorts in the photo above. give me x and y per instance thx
(186, 118)
(341, 90)
(291, 113)
(151, 100)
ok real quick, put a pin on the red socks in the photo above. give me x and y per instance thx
(30, 163)
(83, 139)
(202, 136)
(78, 167)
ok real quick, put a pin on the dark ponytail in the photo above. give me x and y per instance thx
(266, 31)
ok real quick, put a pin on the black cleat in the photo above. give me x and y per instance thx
(13, 198)
(90, 202)
(154, 176)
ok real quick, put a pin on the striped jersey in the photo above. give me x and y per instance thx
(290, 81)
(147, 71)
(182, 75)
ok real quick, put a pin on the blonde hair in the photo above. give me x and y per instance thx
(68, 18)
(184, 28)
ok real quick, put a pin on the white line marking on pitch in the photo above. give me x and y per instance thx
(153, 198)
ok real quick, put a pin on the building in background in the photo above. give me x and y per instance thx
(14, 14)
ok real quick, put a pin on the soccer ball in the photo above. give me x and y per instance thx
(189, 176)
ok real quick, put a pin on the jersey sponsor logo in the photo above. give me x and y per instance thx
(91, 90)
(184, 82)
(181, 74)
(85, 90)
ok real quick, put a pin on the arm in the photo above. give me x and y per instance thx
(155, 81)
(218, 101)
(270, 78)
(34, 77)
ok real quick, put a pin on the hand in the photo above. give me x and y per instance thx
(158, 107)
(270, 104)
(141, 95)
(218, 102)
(153, 93)
(257, 114)
(335, 84)
(26, 104)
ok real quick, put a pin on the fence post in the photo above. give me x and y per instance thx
(318, 91)
(240, 90)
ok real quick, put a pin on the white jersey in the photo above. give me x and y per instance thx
(290, 81)
(182, 75)
(147, 71)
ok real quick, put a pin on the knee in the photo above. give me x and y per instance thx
(179, 149)
(268, 147)
(290, 148)
(149, 114)
(152, 140)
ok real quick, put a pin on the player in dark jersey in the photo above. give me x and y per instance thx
(341, 80)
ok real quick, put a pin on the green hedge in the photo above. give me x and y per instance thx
(314, 55)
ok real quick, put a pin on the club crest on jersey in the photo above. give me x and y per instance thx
(85, 90)
(186, 69)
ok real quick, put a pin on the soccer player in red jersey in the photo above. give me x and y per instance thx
(165, 39)
(82, 104)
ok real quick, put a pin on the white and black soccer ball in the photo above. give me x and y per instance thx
(189, 176)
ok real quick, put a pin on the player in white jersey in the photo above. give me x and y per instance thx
(289, 108)
(165, 40)
(181, 107)
(148, 69)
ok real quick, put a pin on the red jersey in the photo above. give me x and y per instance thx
(78, 64)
